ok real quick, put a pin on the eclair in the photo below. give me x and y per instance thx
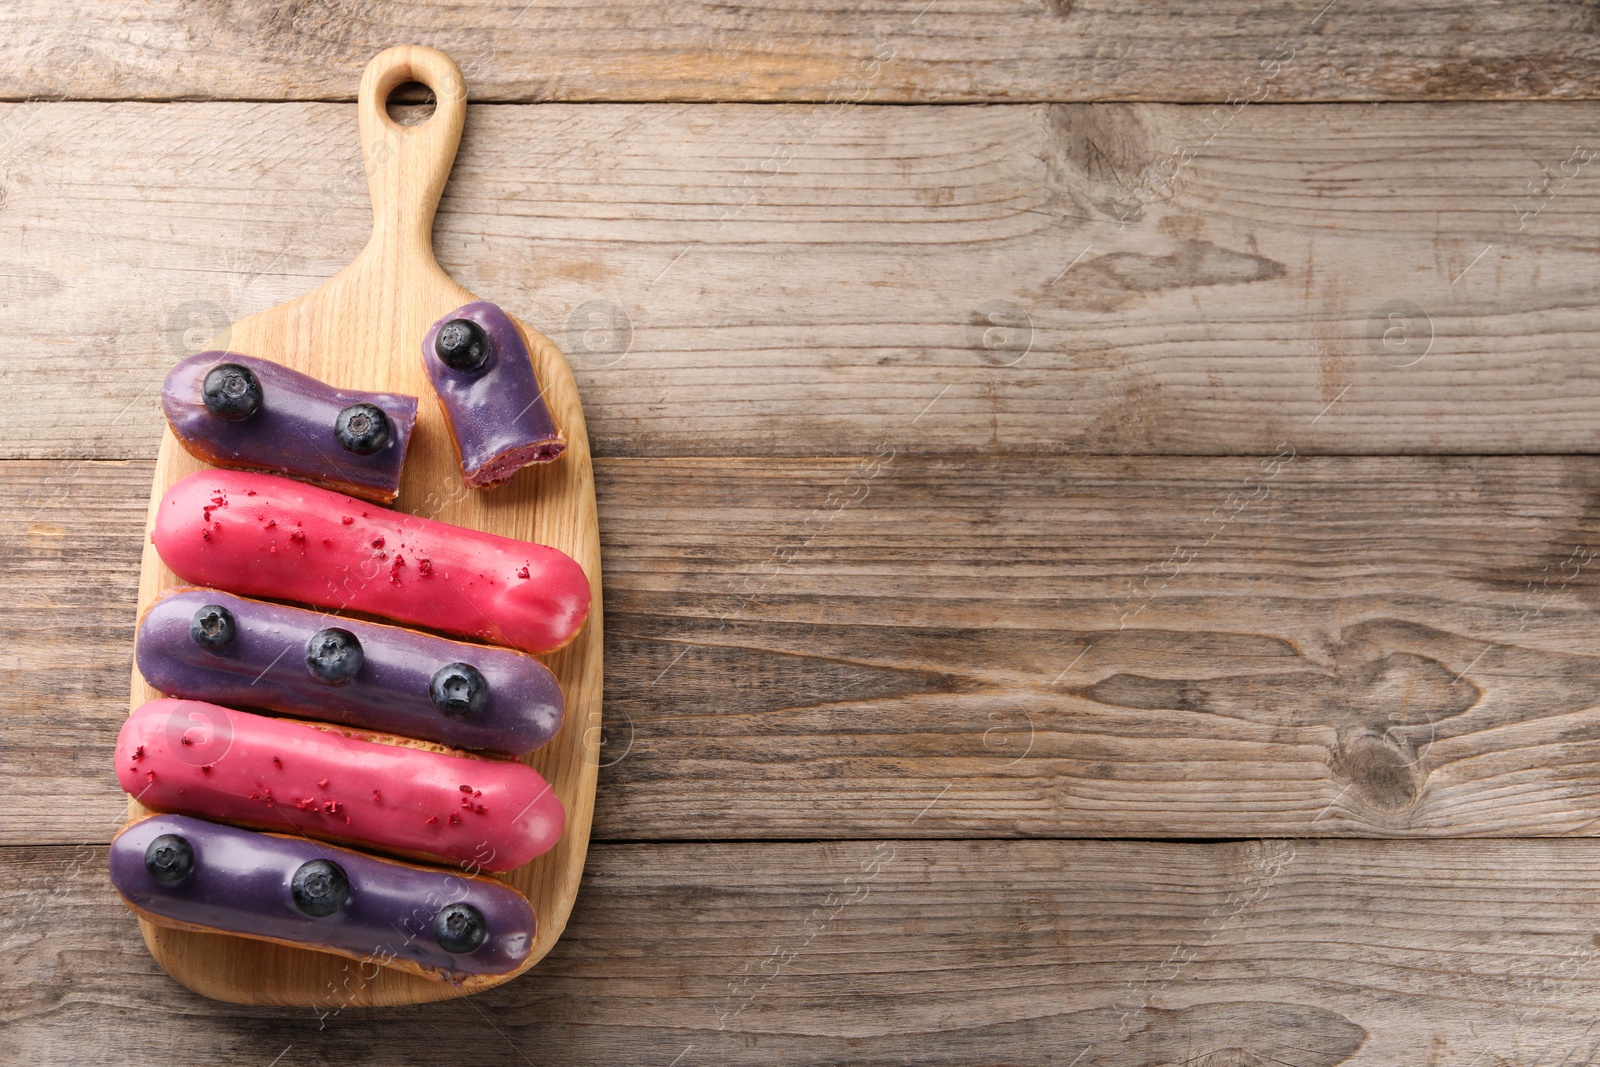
(249, 413)
(370, 790)
(183, 872)
(490, 395)
(204, 644)
(265, 536)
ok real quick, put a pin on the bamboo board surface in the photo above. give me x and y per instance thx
(362, 329)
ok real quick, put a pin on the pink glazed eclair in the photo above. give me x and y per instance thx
(264, 536)
(374, 790)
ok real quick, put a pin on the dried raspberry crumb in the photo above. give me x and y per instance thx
(249, 492)
(331, 807)
(303, 803)
(206, 767)
(481, 810)
(138, 753)
(347, 818)
(205, 535)
(424, 567)
(186, 740)
(297, 535)
(254, 796)
(322, 783)
(454, 818)
(433, 820)
(376, 795)
(477, 792)
(466, 802)
(278, 761)
(149, 776)
(523, 573)
(377, 542)
(272, 524)
(466, 789)
(347, 520)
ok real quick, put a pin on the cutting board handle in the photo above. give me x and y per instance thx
(407, 166)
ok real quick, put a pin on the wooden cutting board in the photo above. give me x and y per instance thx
(363, 329)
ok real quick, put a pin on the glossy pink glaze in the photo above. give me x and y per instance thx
(261, 535)
(194, 758)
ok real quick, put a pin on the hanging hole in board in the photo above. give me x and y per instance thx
(410, 104)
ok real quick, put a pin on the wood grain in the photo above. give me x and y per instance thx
(869, 290)
(1312, 953)
(362, 329)
(935, 448)
(992, 647)
(904, 51)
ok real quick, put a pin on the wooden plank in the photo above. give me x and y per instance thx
(988, 647)
(1307, 953)
(908, 50)
(938, 280)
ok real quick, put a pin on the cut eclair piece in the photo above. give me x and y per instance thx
(490, 394)
(248, 413)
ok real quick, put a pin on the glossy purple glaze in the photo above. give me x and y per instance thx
(240, 884)
(292, 431)
(264, 666)
(497, 413)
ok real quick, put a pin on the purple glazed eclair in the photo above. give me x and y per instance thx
(489, 393)
(204, 644)
(239, 411)
(176, 870)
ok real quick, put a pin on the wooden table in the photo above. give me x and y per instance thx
(1098, 505)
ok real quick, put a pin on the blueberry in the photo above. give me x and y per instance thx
(333, 656)
(231, 392)
(461, 344)
(362, 429)
(169, 859)
(459, 928)
(319, 887)
(458, 690)
(213, 627)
